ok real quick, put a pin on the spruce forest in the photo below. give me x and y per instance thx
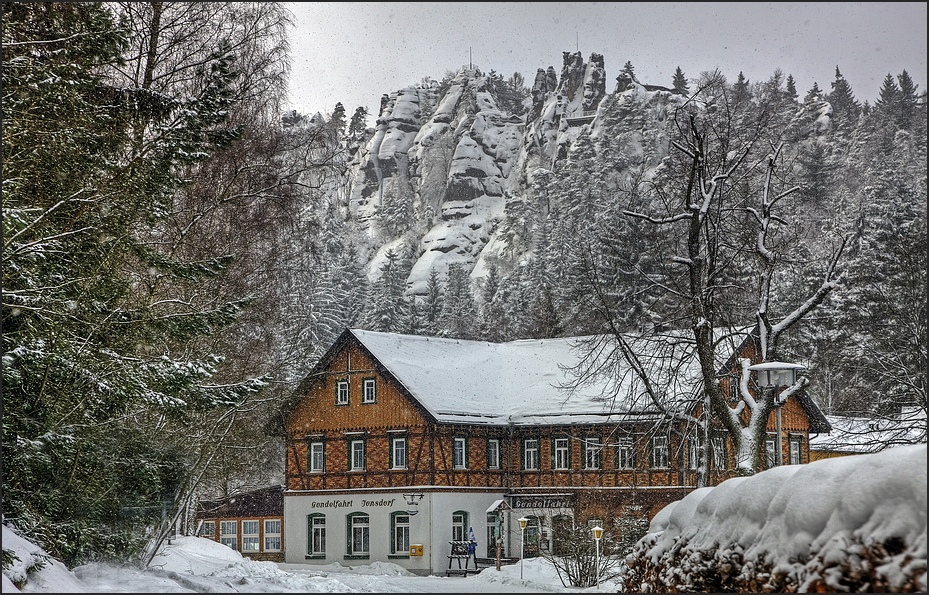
(179, 248)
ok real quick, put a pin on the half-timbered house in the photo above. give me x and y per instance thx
(399, 446)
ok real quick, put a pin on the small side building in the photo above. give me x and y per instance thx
(251, 523)
(852, 435)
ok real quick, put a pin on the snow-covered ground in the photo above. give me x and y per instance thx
(802, 519)
(198, 565)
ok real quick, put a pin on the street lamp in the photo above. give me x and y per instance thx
(598, 533)
(773, 375)
(523, 521)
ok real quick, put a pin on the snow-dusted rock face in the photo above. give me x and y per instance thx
(445, 159)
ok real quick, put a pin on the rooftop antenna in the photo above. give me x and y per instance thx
(470, 67)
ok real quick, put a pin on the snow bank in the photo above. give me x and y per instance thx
(843, 524)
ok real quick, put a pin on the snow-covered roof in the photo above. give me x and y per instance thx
(526, 381)
(865, 434)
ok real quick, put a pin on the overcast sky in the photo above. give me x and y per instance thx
(354, 52)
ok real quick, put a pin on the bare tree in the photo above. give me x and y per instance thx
(713, 211)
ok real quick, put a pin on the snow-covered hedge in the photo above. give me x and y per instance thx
(849, 524)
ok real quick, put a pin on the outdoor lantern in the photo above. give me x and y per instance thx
(773, 375)
(523, 521)
(598, 533)
(412, 501)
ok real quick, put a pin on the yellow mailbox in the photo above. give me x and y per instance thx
(416, 549)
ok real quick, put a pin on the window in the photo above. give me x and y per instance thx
(316, 535)
(358, 535)
(228, 534)
(795, 451)
(341, 392)
(317, 457)
(562, 453)
(398, 453)
(459, 453)
(696, 446)
(272, 535)
(400, 530)
(367, 390)
(492, 519)
(208, 529)
(459, 526)
(770, 449)
(720, 456)
(357, 455)
(562, 531)
(592, 450)
(660, 452)
(624, 458)
(250, 537)
(530, 453)
(493, 454)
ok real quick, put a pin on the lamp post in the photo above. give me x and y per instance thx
(523, 521)
(598, 533)
(772, 375)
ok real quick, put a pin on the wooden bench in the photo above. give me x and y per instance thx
(461, 551)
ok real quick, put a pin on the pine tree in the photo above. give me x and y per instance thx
(680, 82)
(432, 303)
(908, 101)
(740, 90)
(845, 109)
(459, 312)
(814, 94)
(93, 364)
(791, 87)
(385, 308)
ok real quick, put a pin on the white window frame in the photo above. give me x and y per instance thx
(368, 390)
(493, 454)
(625, 455)
(317, 540)
(272, 535)
(720, 456)
(251, 535)
(693, 454)
(400, 538)
(227, 538)
(459, 453)
(661, 452)
(459, 525)
(317, 456)
(360, 532)
(593, 452)
(795, 450)
(770, 450)
(561, 446)
(208, 529)
(398, 453)
(530, 454)
(358, 454)
(341, 392)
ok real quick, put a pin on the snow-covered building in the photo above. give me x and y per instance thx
(251, 523)
(850, 435)
(400, 445)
